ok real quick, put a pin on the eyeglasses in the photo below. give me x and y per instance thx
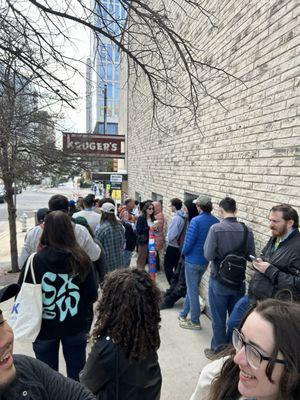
(253, 355)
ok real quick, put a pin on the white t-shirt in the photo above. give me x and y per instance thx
(150, 222)
(93, 219)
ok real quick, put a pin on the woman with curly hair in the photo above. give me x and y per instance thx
(265, 362)
(123, 363)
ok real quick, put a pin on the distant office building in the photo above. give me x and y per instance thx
(103, 71)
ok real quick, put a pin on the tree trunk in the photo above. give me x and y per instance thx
(12, 214)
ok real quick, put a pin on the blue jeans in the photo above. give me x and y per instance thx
(222, 300)
(127, 254)
(235, 319)
(193, 275)
(73, 350)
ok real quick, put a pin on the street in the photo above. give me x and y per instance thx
(27, 202)
(34, 198)
(181, 352)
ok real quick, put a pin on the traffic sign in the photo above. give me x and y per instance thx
(115, 178)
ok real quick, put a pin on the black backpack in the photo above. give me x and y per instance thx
(130, 236)
(232, 269)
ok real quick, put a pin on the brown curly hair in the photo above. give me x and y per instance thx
(129, 313)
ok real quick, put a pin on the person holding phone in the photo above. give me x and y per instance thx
(277, 269)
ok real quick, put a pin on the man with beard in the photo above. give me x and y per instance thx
(23, 377)
(277, 270)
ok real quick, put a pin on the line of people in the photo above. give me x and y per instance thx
(123, 363)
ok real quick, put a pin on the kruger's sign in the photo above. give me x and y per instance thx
(94, 145)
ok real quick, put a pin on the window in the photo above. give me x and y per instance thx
(109, 72)
(138, 197)
(109, 49)
(112, 128)
(116, 78)
(116, 93)
(157, 197)
(190, 196)
(116, 55)
(102, 71)
(109, 91)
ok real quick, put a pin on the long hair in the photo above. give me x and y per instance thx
(145, 208)
(110, 218)
(58, 233)
(192, 209)
(285, 319)
(129, 312)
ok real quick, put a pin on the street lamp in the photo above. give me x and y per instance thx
(105, 108)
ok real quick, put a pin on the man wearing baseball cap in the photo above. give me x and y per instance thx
(195, 262)
(23, 377)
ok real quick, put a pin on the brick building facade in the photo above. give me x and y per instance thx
(249, 150)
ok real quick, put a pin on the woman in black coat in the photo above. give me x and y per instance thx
(144, 222)
(123, 363)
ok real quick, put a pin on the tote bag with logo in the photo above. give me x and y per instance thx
(26, 315)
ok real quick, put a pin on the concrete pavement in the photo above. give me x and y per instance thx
(181, 352)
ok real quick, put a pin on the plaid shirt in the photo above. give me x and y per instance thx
(112, 238)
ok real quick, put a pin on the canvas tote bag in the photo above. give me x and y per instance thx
(26, 315)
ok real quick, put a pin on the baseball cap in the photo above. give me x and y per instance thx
(108, 208)
(202, 200)
(9, 291)
(72, 203)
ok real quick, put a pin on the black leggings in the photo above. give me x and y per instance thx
(170, 263)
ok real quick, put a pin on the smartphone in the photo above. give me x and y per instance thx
(254, 258)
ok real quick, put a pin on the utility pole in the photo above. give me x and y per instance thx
(105, 109)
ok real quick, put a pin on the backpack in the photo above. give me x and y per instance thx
(130, 236)
(181, 237)
(232, 269)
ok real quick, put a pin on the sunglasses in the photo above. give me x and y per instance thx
(253, 355)
(150, 208)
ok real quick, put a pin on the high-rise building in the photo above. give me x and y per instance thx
(104, 64)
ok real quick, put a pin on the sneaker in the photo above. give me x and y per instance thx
(210, 354)
(188, 324)
(181, 319)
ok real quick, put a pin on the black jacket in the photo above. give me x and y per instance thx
(36, 381)
(65, 298)
(109, 374)
(284, 271)
(142, 230)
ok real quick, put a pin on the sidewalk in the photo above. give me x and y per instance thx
(5, 263)
(181, 352)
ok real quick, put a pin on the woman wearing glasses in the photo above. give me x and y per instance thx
(265, 363)
(144, 222)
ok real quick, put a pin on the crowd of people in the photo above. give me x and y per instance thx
(83, 259)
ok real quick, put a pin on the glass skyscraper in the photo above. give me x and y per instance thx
(105, 61)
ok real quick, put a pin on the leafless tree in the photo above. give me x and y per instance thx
(146, 32)
(27, 138)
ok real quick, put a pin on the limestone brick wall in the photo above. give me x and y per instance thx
(250, 149)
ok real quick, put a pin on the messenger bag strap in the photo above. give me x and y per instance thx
(243, 247)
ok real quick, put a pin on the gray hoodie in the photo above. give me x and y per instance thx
(178, 223)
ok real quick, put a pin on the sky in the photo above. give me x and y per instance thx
(75, 118)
